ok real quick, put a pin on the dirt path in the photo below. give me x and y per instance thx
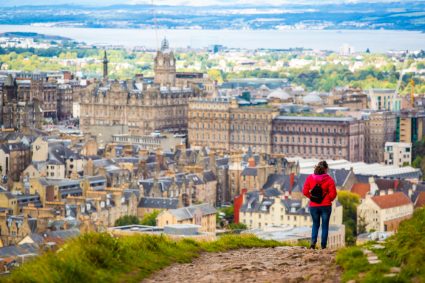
(282, 264)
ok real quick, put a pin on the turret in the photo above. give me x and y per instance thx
(105, 66)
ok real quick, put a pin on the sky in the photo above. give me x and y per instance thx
(177, 2)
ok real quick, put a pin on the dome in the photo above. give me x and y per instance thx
(312, 98)
(279, 94)
(263, 87)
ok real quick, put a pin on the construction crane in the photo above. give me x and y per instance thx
(400, 79)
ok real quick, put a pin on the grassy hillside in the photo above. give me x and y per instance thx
(406, 249)
(102, 258)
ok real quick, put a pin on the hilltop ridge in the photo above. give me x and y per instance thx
(279, 264)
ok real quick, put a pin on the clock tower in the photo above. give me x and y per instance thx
(165, 65)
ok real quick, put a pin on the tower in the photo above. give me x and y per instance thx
(165, 65)
(105, 65)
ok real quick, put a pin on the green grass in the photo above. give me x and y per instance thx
(406, 249)
(98, 257)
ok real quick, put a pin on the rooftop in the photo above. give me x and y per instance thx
(316, 118)
(391, 200)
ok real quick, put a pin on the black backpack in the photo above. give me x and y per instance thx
(316, 194)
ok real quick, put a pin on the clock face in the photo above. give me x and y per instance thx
(172, 62)
(160, 62)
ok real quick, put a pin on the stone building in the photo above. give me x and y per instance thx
(352, 98)
(224, 125)
(258, 211)
(398, 153)
(203, 215)
(384, 100)
(410, 126)
(18, 109)
(319, 137)
(384, 212)
(14, 159)
(380, 127)
(138, 107)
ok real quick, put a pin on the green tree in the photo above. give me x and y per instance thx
(238, 226)
(127, 220)
(150, 218)
(349, 203)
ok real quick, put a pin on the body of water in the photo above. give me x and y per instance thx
(375, 40)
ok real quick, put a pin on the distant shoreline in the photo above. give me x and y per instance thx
(375, 40)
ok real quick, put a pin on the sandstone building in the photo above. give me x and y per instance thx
(137, 106)
(225, 125)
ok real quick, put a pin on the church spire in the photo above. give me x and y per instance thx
(105, 65)
(165, 45)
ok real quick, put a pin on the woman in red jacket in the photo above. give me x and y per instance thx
(320, 189)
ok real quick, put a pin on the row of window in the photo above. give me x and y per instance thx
(306, 140)
(309, 130)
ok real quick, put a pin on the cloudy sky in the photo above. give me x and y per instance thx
(177, 2)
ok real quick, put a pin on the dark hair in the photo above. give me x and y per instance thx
(321, 168)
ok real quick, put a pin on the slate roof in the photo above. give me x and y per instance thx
(14, 251)
(339, 176)
(249, 171)
(222, 161)
(420, 200)
(272, 192)
(188, 212)
(275, 179)
(385, 184)
(59, 152)
(9, 147)
(362, 178)
(195, 179)
(64, 234)
(160, 203)
(209, 176)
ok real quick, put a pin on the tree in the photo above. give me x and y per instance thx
(150, 218)
(349, 203)
(361, 224)
(127, 220)
(238, 226)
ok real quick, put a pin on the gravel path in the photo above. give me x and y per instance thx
(281, 264)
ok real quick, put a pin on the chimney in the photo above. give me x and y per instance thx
(237, 204)
(382, 193)
(291, 181)
(251, 162)
(260, 197)
(390, 191)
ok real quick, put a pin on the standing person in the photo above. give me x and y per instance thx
(320, 189)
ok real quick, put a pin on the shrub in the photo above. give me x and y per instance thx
(127, 220)
(150, 218)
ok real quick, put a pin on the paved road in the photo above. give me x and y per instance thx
(282, 264)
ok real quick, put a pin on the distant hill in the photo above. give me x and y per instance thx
(396, 15)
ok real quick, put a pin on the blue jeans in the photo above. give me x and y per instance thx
(323, 212)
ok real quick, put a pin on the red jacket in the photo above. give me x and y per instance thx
(328, 186)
